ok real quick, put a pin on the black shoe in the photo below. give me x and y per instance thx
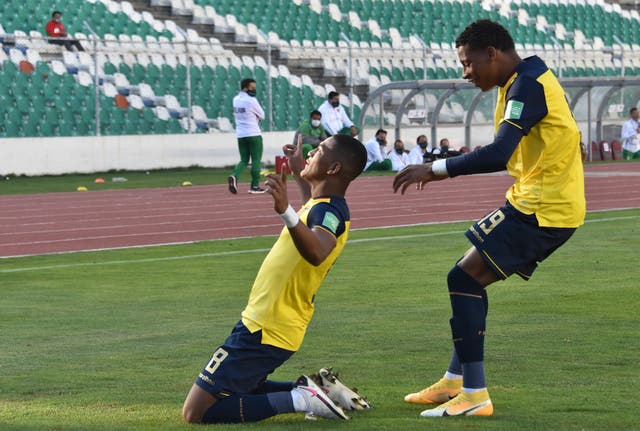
(233, 184)
(256, 190)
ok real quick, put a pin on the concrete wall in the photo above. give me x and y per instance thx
(62, 155)
(55, 156)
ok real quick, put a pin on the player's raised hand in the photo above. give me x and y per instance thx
(277, 187)
(294, 156)
(414, 174)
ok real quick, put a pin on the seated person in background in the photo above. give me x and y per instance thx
(399, 157)
(312, 133)
(418, 153)
(334, 117)
(375, 152)
(55, 29)
(444, 151)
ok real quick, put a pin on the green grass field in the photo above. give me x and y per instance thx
(113, 340)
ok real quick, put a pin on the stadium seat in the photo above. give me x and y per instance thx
(605, 150)
(616, 150)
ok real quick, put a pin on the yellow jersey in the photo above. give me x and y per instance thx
(282, 296)
(547, 163)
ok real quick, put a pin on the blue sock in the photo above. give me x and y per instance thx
(454, 366)
(473, 375)
(240, 408)
(469, 304)
(282, 402)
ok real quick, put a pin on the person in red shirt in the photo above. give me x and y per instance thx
(55, 29)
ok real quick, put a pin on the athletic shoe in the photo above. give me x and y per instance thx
(440, 392)
(318, 403)
(467, 404)
(345, 397)
(233, 184)
(256, 190)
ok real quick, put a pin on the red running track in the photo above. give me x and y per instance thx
(64, 222)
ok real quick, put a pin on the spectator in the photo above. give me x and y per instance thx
(421, 153)
(335, 118)
(399, 157)
(375, 152)
(248, 113)
(631, 136)
(58, 34)
(444, 150)
(312, 133)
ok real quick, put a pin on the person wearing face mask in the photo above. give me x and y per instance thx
(335, 118)
(445, 150)
(58, 34)
(420, 152)
(376, 160)
(399, 157)
(312, 133)
(248, 113)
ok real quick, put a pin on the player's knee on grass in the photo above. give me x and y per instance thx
(196, 404)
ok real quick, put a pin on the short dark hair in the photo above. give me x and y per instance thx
(56, 12)
(315, 112)
(245, 83)
(380, 131)
(484, 33)
(632, 110)
(332, 94)
(421, 136)
(351, 153)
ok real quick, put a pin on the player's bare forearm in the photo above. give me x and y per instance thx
(314, 245)
(415, 174)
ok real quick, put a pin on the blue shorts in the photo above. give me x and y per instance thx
(241, 364)
(511, 242)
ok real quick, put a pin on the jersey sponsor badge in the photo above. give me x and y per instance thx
(331, 222)
(514, 110)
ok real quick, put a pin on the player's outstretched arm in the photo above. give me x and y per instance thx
(415, 174)
(315, 244)
(296, 164)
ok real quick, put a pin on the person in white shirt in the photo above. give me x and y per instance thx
(248, 113)
(376, 160)
(399, 157)
(334, 117)
(417, 153)
(631, 136)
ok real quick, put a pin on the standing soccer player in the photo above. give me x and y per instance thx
(248, 113)
(233, 385)
(538, 142)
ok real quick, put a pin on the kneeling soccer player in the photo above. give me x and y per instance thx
(538, 142)
(233, 385)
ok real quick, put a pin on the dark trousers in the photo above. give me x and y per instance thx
(67, 43)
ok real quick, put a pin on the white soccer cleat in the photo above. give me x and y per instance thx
(345, 397)
(318, 403)
(464, 404)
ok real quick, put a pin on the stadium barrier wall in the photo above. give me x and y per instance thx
(87, 154)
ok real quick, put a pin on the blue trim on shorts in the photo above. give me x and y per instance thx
(511, 242)
(243, 366)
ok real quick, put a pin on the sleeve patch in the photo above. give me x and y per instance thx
(513, 110)
(331, 222)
